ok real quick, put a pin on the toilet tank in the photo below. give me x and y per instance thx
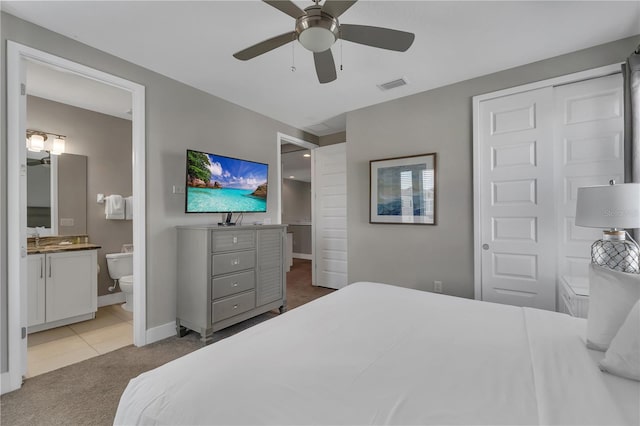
(119, 265)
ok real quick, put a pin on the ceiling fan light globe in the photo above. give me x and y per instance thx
(317, 39)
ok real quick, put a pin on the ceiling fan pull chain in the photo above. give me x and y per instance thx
(293, 57)
(340, 53)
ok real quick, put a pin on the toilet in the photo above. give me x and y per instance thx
(120, 266)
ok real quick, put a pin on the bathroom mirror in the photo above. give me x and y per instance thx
(57, 193)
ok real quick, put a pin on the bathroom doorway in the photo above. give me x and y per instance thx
(295, 203)
(19, 88)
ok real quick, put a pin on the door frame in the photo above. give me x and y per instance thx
(17, 55)
(477, 192)
(283, 139)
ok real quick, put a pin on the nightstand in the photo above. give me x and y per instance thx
(574, 296)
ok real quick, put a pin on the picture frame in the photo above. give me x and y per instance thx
(403, 190)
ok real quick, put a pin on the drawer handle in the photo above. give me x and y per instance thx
(235, 261)
(235, 306)
(234, 284)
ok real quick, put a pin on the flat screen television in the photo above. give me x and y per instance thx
(219, 184)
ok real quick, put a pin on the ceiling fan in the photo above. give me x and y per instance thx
(45, 161)
(317, 29)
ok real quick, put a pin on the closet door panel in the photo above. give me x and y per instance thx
(589, 151)
(518, 242)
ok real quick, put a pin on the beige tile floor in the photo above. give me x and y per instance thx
(51, 349)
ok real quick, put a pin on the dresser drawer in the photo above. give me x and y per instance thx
(232, 284)
(232, 240)
(226, 308)
(232, 262)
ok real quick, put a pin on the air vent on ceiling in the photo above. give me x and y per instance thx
(393, 84)
(320, 127)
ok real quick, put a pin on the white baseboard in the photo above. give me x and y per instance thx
(303, 256)
(110, 299)
(161, 332)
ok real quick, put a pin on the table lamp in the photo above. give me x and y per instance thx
(615, 208)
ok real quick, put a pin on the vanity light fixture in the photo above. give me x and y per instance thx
(58, 145)
(306, 155)
(36, 142)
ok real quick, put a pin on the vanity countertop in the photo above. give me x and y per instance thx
(59, 243)
(56, 248)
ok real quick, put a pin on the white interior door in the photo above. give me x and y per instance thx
(589, 151)
(330, 216)
(517, 198)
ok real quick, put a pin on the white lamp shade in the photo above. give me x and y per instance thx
(36, 143)
(609, 206)
(57, 146)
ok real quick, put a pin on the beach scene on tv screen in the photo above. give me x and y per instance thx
(223, 184)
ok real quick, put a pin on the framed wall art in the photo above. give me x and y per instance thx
(403, 190)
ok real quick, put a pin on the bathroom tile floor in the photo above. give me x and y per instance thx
(51, 349)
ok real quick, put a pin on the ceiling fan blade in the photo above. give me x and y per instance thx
(265, 46)
(336, 8)
(287, 7)
(325, 66)
(384, 38)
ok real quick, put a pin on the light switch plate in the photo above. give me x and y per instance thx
(67, 221)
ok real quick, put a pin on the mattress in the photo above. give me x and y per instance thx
(379, 354)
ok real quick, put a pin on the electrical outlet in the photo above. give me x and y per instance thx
(437, 286)
(178, 189)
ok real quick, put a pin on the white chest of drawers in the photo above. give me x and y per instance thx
(227, 275)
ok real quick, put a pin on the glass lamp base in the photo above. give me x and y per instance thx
(619, 255)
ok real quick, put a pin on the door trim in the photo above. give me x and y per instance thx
(477, 194)
(284, 138)
(16, 161)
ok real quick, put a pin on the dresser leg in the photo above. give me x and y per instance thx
(206, 336)
(283, 308)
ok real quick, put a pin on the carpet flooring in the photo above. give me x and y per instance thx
(88, 393)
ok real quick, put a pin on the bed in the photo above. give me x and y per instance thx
(380, 354)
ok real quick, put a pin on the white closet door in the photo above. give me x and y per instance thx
(330, 216)
(518, 253)
(589, 151)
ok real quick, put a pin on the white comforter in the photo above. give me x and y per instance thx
(378, 354)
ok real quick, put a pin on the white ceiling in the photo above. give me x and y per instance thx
(193, 42)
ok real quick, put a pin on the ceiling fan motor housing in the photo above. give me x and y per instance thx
(317, 31)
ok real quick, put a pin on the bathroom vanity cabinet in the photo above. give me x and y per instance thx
(62, 288)
(227, 275)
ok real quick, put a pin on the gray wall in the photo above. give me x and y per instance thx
(177, 117)
(296, 201)
(438, 120)
(332, 139)
(296, 208)
(72, 193)
(106, 142)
